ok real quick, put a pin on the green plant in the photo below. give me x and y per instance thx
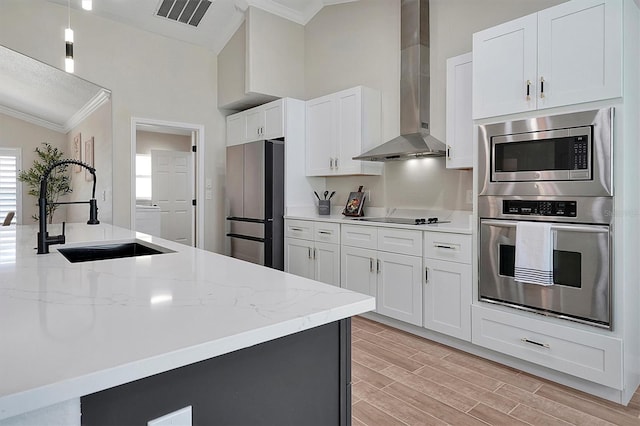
(59, 182)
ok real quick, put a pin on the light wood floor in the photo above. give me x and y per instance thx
(402, 379)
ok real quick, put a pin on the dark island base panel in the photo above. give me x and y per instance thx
(301, 379)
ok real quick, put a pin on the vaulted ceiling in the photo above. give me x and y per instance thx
(219, 23)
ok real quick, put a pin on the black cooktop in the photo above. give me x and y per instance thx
(403, 221)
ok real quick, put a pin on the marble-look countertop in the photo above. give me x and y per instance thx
(459, 220)
(71, 329)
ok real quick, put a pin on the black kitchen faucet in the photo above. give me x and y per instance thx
(44, 240)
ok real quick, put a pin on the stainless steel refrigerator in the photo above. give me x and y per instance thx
(255, 193)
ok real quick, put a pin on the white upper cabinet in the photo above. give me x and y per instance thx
(339, 127)
(459, 119)
(580, 52)
(236, 129)
(564, 55)
(262, 122)
(504, 68)
(320, 128)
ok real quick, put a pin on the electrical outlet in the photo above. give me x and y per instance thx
(469, 199)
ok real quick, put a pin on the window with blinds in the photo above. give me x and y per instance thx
(9, 186)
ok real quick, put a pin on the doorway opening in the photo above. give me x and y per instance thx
(167, 180)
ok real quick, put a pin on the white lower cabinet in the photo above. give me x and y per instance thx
(447, 284)
(358, 270)
(327, 263)
(447, 298)
(589, 355)
(297, 257)
(311, 250)
(394, 279)
(399, 292)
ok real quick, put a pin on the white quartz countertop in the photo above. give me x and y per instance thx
(459, 221)
(71, 329)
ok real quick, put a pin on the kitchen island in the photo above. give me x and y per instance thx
(110, 331)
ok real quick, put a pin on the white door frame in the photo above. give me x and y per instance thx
(199, 190)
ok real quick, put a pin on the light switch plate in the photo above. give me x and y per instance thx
(182, 417)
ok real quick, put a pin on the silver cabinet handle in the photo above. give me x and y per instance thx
(336, 162)
(330, 163)
(314, 252)
(297, 229)
(528, 96)
(378, 265)
(309, 252)
(541, 87)
(448, 151)
(533, 342)
(325, 232)
(370, 264)
(426, 275)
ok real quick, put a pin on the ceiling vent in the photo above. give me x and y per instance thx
(185, 11)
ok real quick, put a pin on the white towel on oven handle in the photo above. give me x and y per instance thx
(534, 253)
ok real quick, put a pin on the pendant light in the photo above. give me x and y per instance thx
(86, 4)
(68, 39)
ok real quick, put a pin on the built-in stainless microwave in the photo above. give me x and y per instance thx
(567, 154)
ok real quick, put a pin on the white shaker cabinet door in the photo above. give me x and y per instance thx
(447, 298)
(298, 257)
(273, 120)
(349, 131)
(579, 52)
(327, 258)
(504, 68)
(459, 121)
(320, 136)
(358, 270)
(400, 287)
(255, 124)
(236, 129)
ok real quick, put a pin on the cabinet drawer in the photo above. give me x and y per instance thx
(359, 236)
(326, 232)
(591, 356)
(402, 241)
(299, 229)
(450, 247)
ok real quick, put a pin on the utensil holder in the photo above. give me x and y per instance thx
(324, 207)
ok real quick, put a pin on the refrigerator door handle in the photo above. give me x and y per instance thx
(248, 219)
(246, 237)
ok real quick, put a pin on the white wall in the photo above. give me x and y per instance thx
(15, 133)
(150, 77)
(146, 141)
(98, 126)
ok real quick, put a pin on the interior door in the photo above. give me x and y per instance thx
(172, 190)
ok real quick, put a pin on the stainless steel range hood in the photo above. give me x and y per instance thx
(415, 140)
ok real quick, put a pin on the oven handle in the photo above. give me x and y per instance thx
(595, 229)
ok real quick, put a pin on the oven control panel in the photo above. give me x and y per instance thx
(540, 208)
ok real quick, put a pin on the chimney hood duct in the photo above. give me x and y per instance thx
(415, 140)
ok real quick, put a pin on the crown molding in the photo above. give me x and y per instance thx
(94, 103)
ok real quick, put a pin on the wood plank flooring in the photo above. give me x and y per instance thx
(402, 379)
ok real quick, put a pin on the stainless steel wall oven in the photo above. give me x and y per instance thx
(556, 171)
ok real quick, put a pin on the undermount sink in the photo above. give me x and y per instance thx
(113, 250)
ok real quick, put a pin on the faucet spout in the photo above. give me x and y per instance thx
(44, 240)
